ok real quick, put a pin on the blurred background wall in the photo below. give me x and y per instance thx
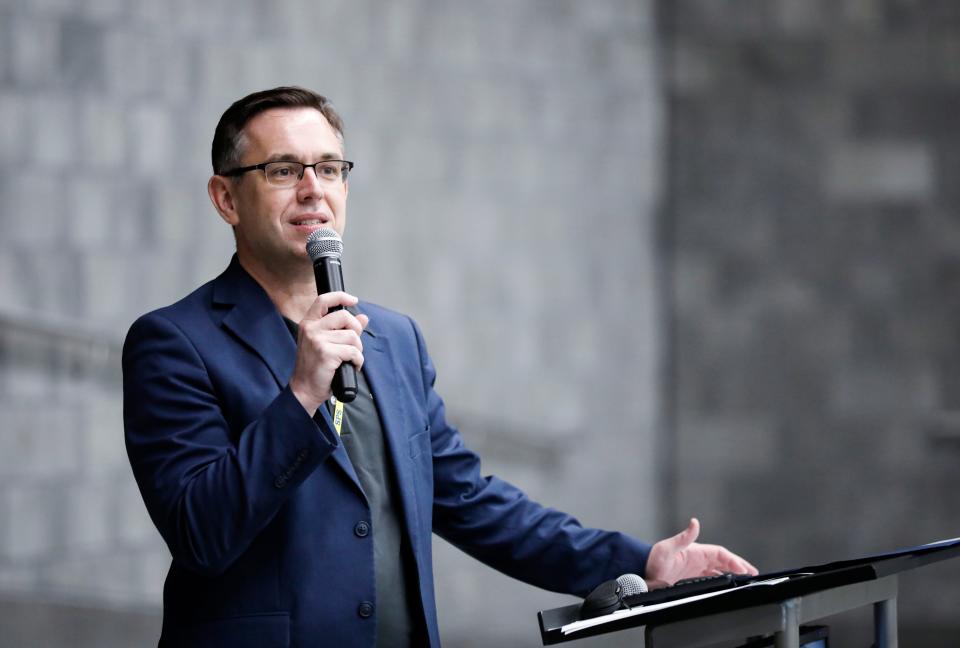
(671, 258)
(814, 262)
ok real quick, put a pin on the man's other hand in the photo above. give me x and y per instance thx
(681, 557)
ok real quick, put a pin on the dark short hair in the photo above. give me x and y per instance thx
(228, 137)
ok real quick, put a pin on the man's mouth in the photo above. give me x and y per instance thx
(306, 222)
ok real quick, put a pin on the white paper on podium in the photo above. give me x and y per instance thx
(938, 542)
(643, 609)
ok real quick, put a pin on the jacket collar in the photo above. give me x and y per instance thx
(252, 317)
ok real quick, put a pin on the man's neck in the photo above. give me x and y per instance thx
(292, 290)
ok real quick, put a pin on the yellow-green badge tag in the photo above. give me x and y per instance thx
(337, 414)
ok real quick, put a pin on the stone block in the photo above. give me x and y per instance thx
(907, 115)
(29, 531)
(43, 619)
(40, 441)
(14, 292)
(882, 390)
(151, 128)
(880, 172)
(13, 136)
(866, 15)
(45, 269)
(217, 71)
(154, 564)
(53, 8)
(89, 522)
(176, 81)
(111, 578)
(400, 30)
(719, 445)
(17, 578)
(104, 284)
(701, 17)
(146, 14)
(33, 210)
(105, 10)
(133, 525)
(130, 55)
(81, 54)
(33, 50)
(91, 219)
(614, 16)
(6, 50)
(102, 138)
(175, 224)
(899, 59)
(104, 453)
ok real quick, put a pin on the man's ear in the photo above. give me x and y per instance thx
(221, 190)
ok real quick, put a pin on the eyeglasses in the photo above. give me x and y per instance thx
(287, 174)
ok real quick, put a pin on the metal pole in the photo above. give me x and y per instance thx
(885, 623)
(789, 634)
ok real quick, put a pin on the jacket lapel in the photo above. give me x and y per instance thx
(252, 317)
(379, 368)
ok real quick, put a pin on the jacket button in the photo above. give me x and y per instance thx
(362, 529)
(280, 482)
(365, 610)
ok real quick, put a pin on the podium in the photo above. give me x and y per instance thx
(796, 596)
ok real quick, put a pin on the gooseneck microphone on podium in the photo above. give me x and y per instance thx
(325, 249)
(611, 595)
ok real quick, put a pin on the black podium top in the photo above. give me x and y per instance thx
(798, 582)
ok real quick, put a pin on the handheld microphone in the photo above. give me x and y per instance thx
(325, 248)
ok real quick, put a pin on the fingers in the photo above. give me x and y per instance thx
(320, 317)
(322, 305)
(738, 565)
(686, 537)
(333, 346)
(727, 561)
(722, 560)
(337, 320)
(327, 339)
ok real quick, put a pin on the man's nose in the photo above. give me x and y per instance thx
(309, 185)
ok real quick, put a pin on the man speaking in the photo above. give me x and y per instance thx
(294, 518)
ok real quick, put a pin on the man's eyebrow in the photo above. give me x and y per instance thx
(292, 157)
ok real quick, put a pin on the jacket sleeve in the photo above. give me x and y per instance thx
(209, 490)
(499, 525)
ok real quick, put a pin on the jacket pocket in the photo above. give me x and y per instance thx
(420, 443)
(270, 630)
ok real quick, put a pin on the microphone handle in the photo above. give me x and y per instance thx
(329, 275)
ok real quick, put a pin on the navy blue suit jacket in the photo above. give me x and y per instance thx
(258, 501)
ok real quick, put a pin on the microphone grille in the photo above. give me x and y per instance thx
(631, 584)
(324, 242)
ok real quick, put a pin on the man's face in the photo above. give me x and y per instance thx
(273, 223)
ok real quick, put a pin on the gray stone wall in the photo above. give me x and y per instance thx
(814, 252)
(508, 170)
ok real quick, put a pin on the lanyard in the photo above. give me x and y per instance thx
(337, 414)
